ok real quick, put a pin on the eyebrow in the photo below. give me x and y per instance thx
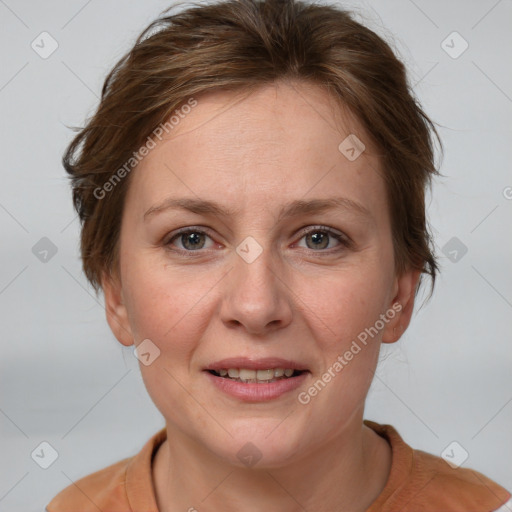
(293, 209)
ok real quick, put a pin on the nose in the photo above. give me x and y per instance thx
(256, 298)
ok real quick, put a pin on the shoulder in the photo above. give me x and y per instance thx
(454, 488)
(101, 490)
(423, 482)
(121, 487)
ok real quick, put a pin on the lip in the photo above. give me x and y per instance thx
(256, 392)
(255, 364)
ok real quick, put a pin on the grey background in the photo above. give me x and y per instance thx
(67, 381)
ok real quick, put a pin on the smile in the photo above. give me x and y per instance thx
(247, 375)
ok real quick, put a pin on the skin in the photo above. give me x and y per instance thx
(256, 152)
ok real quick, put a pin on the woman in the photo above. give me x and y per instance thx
(251, 190)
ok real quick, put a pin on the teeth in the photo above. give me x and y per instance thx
(265, 374)
(247, 375)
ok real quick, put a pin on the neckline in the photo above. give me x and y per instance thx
(140, 487)
(401, 462)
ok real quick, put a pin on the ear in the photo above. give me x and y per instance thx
(402, 304)
(115, 310)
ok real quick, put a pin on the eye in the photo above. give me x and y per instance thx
(319, 238)
(191, 239)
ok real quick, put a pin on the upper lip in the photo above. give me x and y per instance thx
(255, 364)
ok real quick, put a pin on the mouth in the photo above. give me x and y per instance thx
(251, 376)
(258, 380)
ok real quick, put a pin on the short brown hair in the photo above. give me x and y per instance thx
(242, 45)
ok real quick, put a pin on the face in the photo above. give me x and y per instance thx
(267, 279)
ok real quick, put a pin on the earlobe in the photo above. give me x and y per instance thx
(402, 304)
(115, 310)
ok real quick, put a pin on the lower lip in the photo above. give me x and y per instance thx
(255, 392)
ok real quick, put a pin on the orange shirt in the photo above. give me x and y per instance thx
(418, 482)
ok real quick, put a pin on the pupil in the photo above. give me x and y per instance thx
(317, 238)
(191, 238)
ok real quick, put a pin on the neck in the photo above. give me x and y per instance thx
(346, 473)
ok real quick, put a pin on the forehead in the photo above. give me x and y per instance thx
(279, 142)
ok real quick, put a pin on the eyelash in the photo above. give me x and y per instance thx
(345, 241)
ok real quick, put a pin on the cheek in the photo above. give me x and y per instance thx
(346, 302)
(165, 305)
(345, 320)
(149, 300)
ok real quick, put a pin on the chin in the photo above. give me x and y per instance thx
(261, 443)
